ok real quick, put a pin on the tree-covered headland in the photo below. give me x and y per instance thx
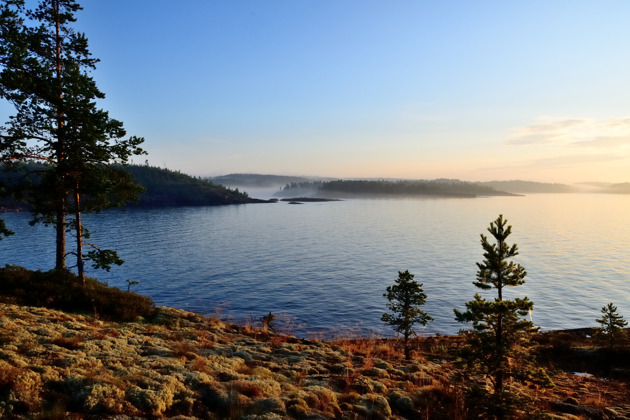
(165, 188)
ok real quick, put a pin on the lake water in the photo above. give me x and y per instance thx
(323, 267)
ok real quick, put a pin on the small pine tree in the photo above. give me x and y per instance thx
(405, 297)
(131, 283)
(496, 349)
(612, 325)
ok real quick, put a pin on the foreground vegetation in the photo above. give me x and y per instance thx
(65, 291)
(170, 363)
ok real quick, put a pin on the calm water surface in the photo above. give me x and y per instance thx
(323, 267)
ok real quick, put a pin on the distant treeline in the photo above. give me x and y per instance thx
(256, 180)
(521, 187)
(439, 187)
(162, 187)
(623, 188)
(299, 185)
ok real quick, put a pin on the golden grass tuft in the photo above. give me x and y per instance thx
(71, 342)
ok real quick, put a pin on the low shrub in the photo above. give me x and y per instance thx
(64, 291)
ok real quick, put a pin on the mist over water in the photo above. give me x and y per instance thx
(323, 267)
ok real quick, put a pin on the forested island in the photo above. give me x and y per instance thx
(349, 188)
(529, 187)
(163, 187)
(622, 188)
(258, 180)
(293, 186)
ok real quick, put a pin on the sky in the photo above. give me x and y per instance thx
(476, 90)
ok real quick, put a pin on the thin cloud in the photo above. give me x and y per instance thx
(582, 132)
(609, 142)
(547, 131)
(555, 162)
(617, 123)
(563, 161)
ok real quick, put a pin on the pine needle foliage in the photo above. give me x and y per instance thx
(405, 298)
(496, 351)
(45, 74)
(612, 325)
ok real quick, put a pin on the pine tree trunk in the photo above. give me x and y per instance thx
(60, 263)
(79, 234)
(61, 204)
(498, 383)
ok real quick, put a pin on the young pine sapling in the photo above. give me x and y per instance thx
(405, 297)
(612, 324)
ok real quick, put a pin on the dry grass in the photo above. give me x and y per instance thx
(71, 342)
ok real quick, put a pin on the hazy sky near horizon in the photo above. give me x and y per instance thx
(477, 90)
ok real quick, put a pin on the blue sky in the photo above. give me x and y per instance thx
(476, 90)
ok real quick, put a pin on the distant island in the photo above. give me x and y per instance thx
(168, 188)
(299, 186)
(259, 180)
(623, 188)
(299, 200)
(353, 188)
(529, 187)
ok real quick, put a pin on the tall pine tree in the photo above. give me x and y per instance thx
(496, 353)
(45, 75)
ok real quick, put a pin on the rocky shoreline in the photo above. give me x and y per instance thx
(183, 365)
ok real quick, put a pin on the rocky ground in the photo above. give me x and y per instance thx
(55, 365)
